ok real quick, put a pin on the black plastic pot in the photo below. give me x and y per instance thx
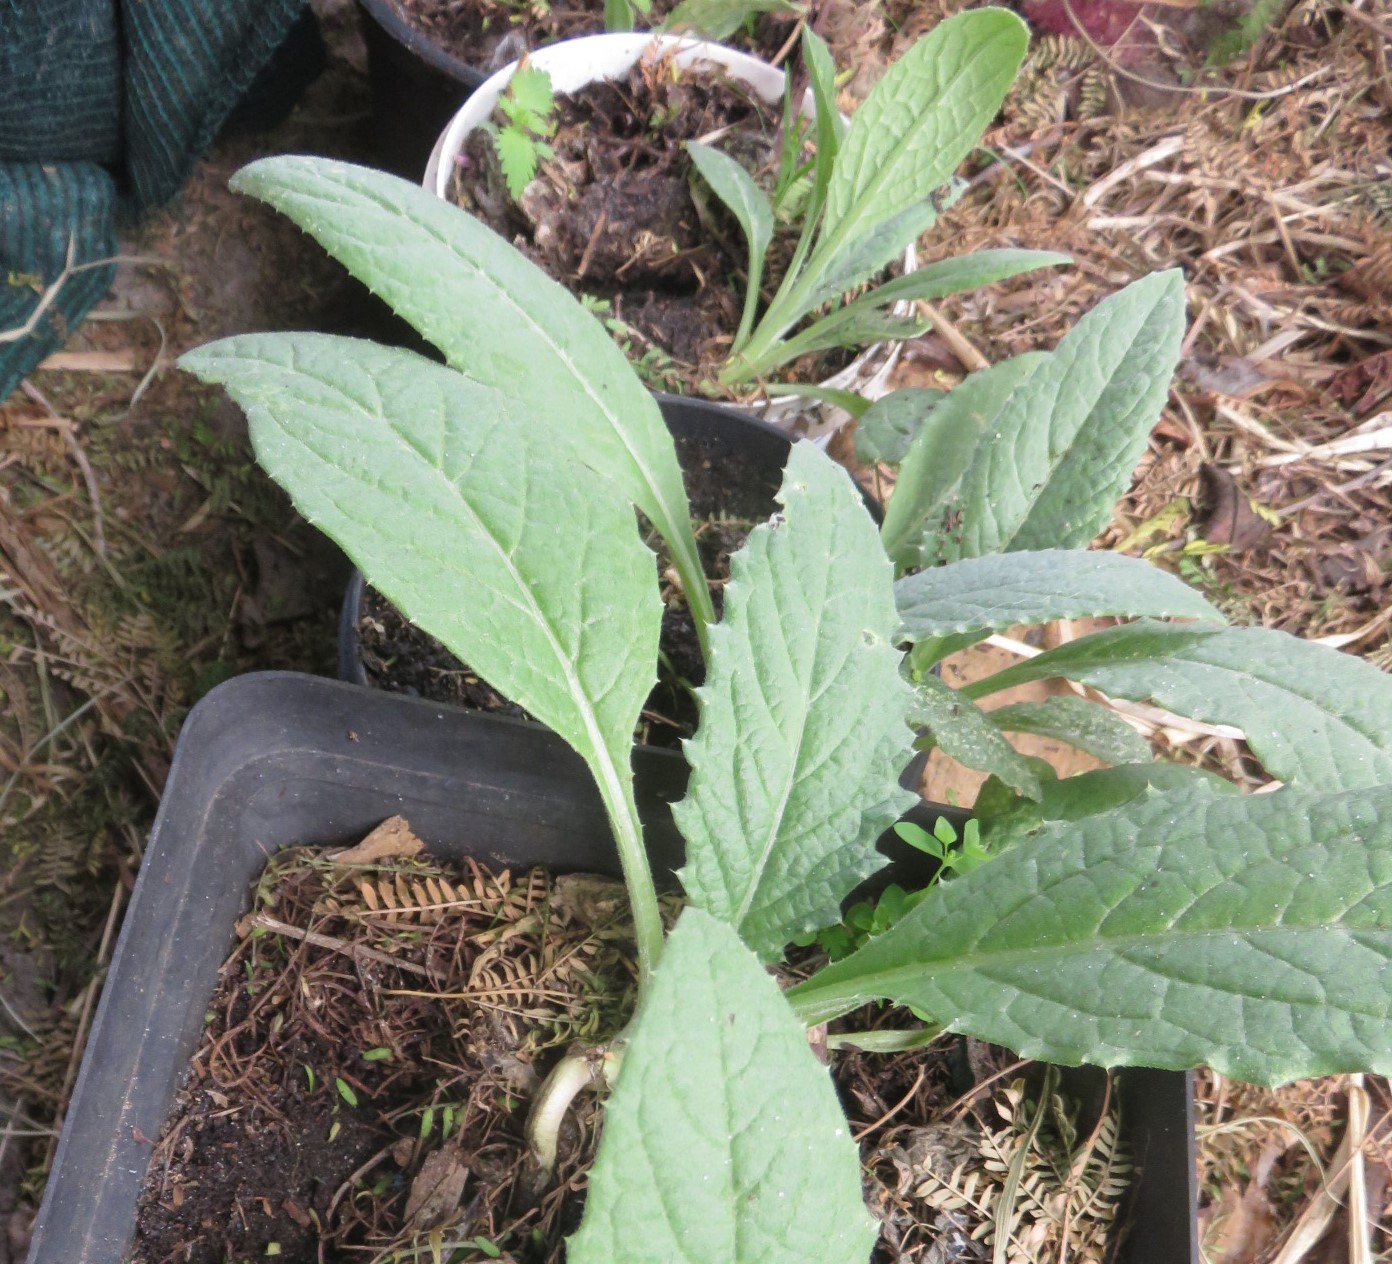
(416, 88)
(274, 759)
(724, 432)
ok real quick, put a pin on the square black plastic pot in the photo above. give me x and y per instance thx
(270, 760)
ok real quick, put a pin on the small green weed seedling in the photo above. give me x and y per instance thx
(1145, 914)
(520, 143)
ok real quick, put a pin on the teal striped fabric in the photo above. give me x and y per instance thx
(105, 107)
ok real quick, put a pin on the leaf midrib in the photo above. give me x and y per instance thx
(980, 963)
(839, 232)
(540, 331)
(577, 694)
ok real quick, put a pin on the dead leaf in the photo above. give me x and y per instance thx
(391, 840)
(1225, 514)
(437, 1189)
(1363, 386)
(1235, 376)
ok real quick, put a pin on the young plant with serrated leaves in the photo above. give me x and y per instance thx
(875, 186)
(520, 143)
(1129, 917)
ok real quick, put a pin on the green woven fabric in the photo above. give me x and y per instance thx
(105, 106)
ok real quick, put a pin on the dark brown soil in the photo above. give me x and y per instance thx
(338, 1081)
(618, 216)
(728, 496)
(380, 1029)
(488, 34)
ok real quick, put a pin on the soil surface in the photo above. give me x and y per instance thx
(380, 1028)
(619, 216)
(488, 35)
(728, 493)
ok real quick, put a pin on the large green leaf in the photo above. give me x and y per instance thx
(1312, 715)
(958, 726)
(1003, 589)
(723, 1141)
(402, 461)
(496, 317)
(1249, 932)
(918, 123)
(922, 515)
(803, 718)
(1059, 454)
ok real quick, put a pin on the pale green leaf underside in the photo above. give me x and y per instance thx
(734, 186)
(1089, 726)
(723, 1140)
(920, 121)
(885, 430)
(1059, 453)
(1004, 589)
(924, 512)
(455, 508)
(961, 730)
(1252, 933)
(494, 315)
(1312, 715)
(803, 727)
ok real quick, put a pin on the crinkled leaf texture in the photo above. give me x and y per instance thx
(1249, 932)
(456, 509)
(723, 1141)
(495, 316)
(923, 514)
(1315, 717)
(919, 122)
(803, 728)
(1052, 462)
(963, 732)
(1038, 586)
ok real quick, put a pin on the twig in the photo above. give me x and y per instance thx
(66, 429)
(354, 952)
(957, 342)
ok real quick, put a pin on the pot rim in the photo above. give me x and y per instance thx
(574, 63)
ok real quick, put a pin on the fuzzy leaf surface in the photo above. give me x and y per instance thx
(795, 765)
(962, 731)
(1058, 455)
(1089, 726)
(923, 514)
(495, 316)
(1312, 715)
(919, 122)
(1249, 932)
(400, 461)
(1003, 589)
(723, 1139)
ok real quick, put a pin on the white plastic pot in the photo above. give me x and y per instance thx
(572, 64)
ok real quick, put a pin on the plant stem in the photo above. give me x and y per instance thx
(616, 789)
(693, 579)
(572, 1074)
